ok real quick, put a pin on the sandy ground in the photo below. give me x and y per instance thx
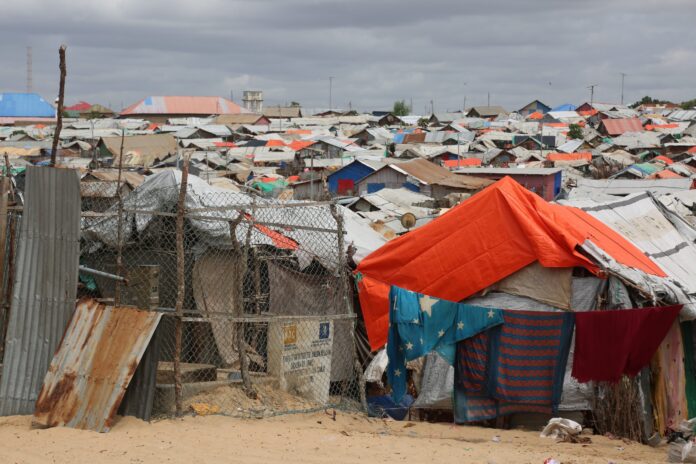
(305, 438)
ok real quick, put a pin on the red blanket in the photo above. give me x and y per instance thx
(609, 344)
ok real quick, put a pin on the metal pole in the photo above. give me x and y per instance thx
(623, 76)
(330, 93)
(119, 231)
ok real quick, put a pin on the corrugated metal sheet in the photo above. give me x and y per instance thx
(184, 105)
(25, 105)
(619, 126)
(91, 370)
(45, 284)
(638, 218)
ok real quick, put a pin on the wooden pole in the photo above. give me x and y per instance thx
(61, 97)
(119, 231)
(181, 285)
(241, 256)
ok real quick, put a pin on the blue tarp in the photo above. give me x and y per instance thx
(565, 107)
(25, 105)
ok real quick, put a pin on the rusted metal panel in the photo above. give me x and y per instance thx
(45, 283)
(91, 370)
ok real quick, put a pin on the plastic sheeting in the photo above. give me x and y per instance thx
(488, 237)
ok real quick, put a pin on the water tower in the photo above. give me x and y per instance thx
(253, 100)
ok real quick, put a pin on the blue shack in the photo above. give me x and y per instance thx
(343, 181)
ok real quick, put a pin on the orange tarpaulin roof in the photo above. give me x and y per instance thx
(275, 143)
(664, 159)
(486, 238)
(584, 155)
(535, 115)
(462, 162)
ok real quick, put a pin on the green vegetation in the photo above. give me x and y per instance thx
(401, 108)
(575, 131)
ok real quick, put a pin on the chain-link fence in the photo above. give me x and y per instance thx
(266, 323)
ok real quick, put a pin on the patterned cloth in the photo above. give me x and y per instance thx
(419, 324)
(516, 367)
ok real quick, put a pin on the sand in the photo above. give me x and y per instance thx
(301, 438)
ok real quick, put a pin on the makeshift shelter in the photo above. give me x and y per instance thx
(507, 248)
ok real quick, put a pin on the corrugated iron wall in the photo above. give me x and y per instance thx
(45, 285)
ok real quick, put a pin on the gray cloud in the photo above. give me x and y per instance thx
(378, 51)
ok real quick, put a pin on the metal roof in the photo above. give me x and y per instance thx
(45, 283)
(94, 364)
(619, 126)
(510, 171)
(25, 105)
(184, 105)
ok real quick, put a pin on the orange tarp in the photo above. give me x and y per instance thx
(462, 162)
(584, 155)
(486, 238)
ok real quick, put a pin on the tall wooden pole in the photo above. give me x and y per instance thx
(61, 97)
(181, 286)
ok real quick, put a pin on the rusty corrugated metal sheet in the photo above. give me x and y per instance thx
(90, 372)
(45, 283)
(619, 126)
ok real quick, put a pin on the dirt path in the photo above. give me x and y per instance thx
(307, 438)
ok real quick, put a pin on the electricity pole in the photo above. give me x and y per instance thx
(623, 76)
(331, 92)
(591, 87)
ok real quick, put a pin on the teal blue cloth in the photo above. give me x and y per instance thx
(419, 324)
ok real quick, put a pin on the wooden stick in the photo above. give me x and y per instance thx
(119, 230)
(61, 97)
(181, 286)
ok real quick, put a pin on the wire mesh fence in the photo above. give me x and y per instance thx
(266, 323)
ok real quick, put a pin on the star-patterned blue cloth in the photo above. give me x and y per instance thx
(419, 324)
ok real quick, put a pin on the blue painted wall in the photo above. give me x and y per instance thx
(354, 171)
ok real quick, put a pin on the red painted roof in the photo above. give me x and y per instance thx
(80, 106)
(619, 126)
(691, 150)
(203, 106)
(225, 144)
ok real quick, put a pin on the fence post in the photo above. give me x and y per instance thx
(119, 222)
(181, 286)
(241, 256)
(342, 266)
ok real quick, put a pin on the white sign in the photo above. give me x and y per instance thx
(299, 355)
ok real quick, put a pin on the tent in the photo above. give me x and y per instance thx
(495, 233)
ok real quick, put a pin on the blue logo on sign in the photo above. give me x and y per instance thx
(324, 330)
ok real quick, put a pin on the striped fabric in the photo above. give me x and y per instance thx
(516, 367)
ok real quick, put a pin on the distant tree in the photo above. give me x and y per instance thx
(423, 122)
(646, 100)
(689, 104)
(575, 131)
(401, 108)
(294, 104)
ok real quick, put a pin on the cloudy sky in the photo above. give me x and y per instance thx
(377, 50)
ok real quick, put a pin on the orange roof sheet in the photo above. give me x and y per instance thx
(556, 124)
(484, 239)
(462, 162)
(587, 113)
(664, 159)
(585, 155)
(275, 143)
(299, 132)
(691, 150)
(665, 174)
(535, 115)
(300, 144)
